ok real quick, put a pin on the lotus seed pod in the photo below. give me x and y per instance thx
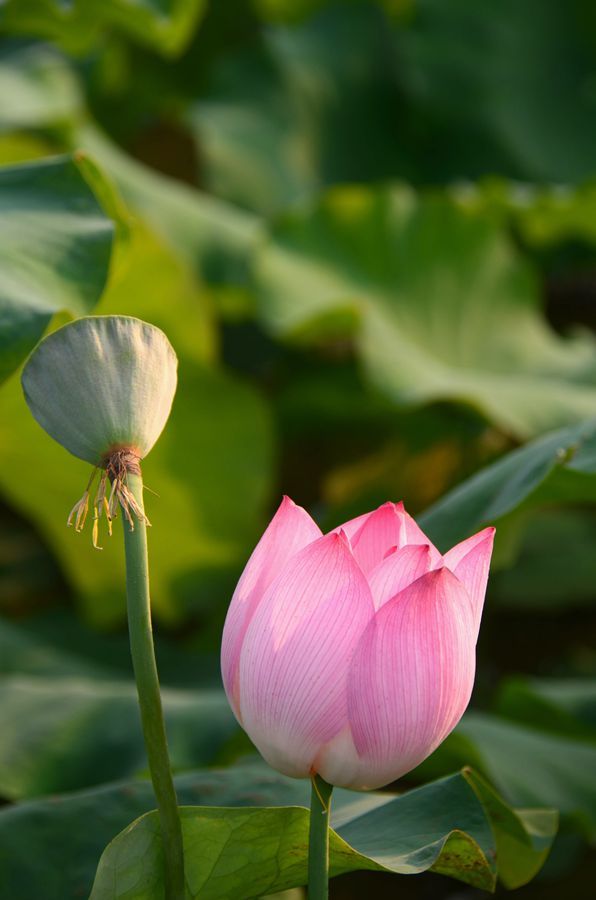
(102, 383)
(103, 387)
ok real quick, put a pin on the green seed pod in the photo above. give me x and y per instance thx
(103, 387)
(102, 383)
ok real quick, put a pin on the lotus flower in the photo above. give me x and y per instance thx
(351, 655)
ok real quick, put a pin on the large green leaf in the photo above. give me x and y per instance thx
(441, 306)
(55, 830)
(55, 245)
(38, 88)
(70, 713)
(213, 236)
(557, 467)
(555, 565)
(541, 214)
(529, 766)
(164, 24)
(211, 468)
(30, 653)
(57, 644)
(40, 96)
(306, 107)
(62, 734)
(69, 708)
(455, 826)
(564, 707)
(513, 96)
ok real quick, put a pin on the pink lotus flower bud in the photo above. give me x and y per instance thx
(352, 654)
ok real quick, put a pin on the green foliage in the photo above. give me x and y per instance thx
(275, 126)
(56, 829)
(200, 541)
(206, 232)
(55, 252)
(71, 720)
(566, 706)
(37, 87)
(67, 733)
(525, 763)
(76, 25)
(513, 97)
(222, 425)
(80, 730)
(441, 306)
(555, 567)
(368, 230)
(557, 467)
(406, 835)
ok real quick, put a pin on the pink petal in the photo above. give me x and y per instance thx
(409, 532)
(289, 531)
(470, 562)
(296, 654)
(351, 527)
(411, 679)
(380, 531)
(398, 570)
(415, 535)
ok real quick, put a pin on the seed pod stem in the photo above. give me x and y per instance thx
(145, 669)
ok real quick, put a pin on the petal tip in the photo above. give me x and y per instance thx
(486, 536)
(340, 537)
(443, 573)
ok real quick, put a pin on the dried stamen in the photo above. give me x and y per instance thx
(78, 513)
(116, 467)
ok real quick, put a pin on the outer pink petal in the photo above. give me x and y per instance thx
(410, 681)
(379, 533)
(470, 561)
(289, 531)
(398, 570)
(296, 654)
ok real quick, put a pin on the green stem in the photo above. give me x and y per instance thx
(145, 669)
(318, 842)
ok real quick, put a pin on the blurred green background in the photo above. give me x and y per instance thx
(369, 230)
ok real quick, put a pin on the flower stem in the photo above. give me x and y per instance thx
(145, 669)
(318, 843)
